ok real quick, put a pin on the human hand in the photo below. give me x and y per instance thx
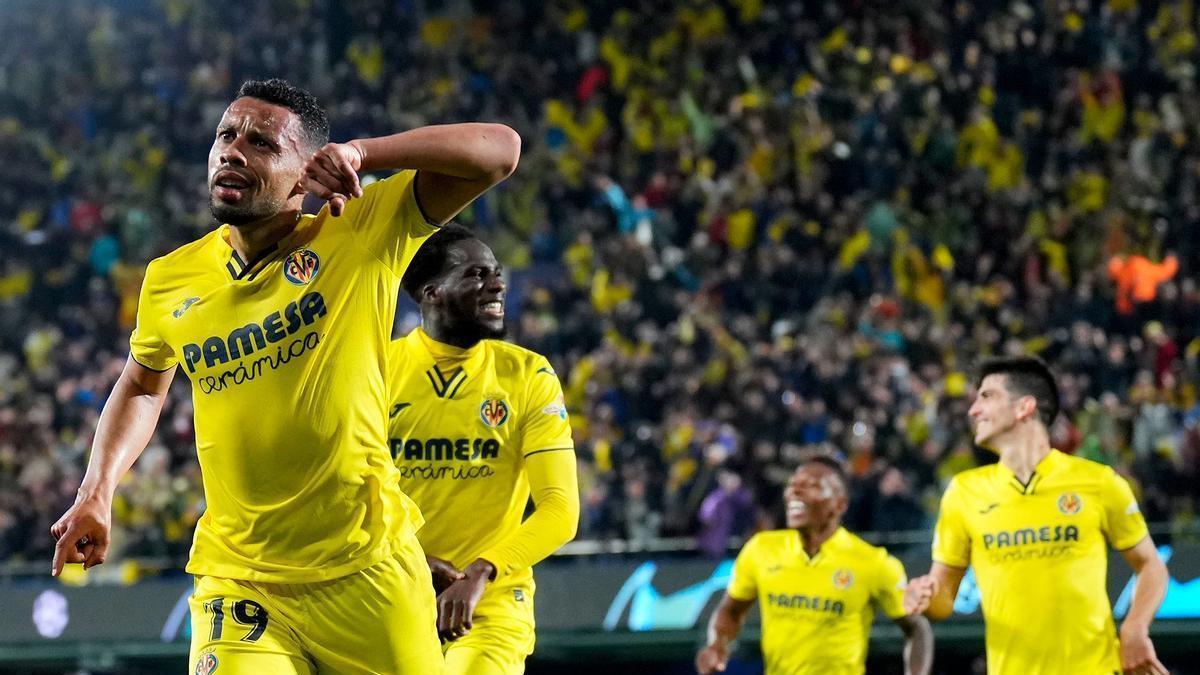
(712, 659)
(456, 605)
(443, 573)
(332, 174)
(1137, 652)
(918, 594)
(82, 534)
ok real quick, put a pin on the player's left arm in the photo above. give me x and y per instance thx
(455, 163)
(888, 596)
(1126, 531)
(1137, 651)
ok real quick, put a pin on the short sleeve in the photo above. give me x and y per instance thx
(387, 220)
(546, 426)
(951, 538)
(743, 580)
(147, 345)
(1124, 525)
(888, 593)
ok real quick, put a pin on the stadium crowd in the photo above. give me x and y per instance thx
(742, 231)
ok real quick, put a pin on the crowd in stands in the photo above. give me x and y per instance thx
(742, 231)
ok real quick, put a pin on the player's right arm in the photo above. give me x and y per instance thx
(125, 427)
(723, 629)
(933, 594)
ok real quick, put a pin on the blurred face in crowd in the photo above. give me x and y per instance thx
(997, 411)
(470, 296)
(814, 497)
(255, 162)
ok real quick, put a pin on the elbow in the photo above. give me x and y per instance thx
(507, 147)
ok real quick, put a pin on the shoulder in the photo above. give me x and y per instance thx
(517, 359)
(1082, 467)
(858, 547)
(972, 477)
(768, 539)
(184, 258)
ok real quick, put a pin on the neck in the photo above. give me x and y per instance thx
(813, 536)
(1022, 454)
(441, 332)
(250, 238)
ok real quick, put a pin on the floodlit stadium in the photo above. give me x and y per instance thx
(352, 336)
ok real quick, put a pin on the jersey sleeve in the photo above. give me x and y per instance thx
(743, 580)
(387, 220)
(554, 487)
(546, 426)
(951, 538)
(147, 345)
(888, 593)
(1124, 524)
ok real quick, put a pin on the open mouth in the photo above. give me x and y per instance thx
(796, 508)
(493, 308)
(229, 185)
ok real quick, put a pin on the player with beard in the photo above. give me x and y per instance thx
(1036, 527)
(306, 558)
(478, 426)
(817, 587)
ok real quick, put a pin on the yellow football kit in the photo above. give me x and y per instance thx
(287, 355)
(474, 432)
(1040, 558)
(817, 612)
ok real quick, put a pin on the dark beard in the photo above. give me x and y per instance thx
(241, 215)
(469, 331)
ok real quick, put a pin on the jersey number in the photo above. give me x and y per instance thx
(245, 612)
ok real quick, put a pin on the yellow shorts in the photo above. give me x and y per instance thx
(501, 636)
(379, 620)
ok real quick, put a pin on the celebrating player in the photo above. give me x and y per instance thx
(1034, 526)
(817, 586)
(477, 426)
(306, 558)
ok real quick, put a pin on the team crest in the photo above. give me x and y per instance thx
(300, 266)
(207, 664)
(843, 579)
(494, 412)
(1069, 503)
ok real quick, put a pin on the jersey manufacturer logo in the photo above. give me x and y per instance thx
(397, 409)
(493, 412)
(989, 507)
(206, 664)
(301, 266)
(772, 569)
(1069, 503)
(183, 307)
(843, 579)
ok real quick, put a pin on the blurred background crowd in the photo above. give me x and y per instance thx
(742, 231)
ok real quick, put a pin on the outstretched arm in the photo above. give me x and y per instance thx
(918, 644)
(126, 425)
(723, 629)
(1137, 652)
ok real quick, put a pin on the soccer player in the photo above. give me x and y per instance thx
(817, 588)
(306, 558)
(1035, 525)
(478, 425)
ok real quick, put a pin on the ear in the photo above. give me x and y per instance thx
(431, 293)
(1026, 407)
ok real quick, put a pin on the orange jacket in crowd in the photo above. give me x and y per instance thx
(1137, 278)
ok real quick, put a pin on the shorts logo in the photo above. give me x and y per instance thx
(207, 664)
(301, 266)
(1069, 503)
(518, 595)
(843, 579)
(493, 412)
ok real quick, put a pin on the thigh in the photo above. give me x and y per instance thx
(236, 628)
(496, 645)
(380, 620)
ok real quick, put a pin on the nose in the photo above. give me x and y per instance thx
(496, 283)
(232, 153)
(974, 410)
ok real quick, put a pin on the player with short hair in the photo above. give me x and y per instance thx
(817, 587)
(478, 426)
(306, 558)
(1035, 527)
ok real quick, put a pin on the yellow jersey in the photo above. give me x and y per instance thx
(467, 429)
(287, 356)
(1040, 557)
(817, 612)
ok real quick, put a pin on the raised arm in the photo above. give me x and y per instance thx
(125, 427)
(1137, 652)
(455, 162)
(723, 629)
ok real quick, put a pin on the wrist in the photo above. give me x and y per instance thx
(362, 153)
(481, 569)
(1135, 628)
(94, 493)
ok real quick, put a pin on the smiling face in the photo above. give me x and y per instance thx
(814, 497)
(996, 411)
(255, 162)
(468, 300)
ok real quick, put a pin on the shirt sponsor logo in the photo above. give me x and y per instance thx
(1069, 503)
(253, 337)
(427, 459)
(301, 266)
(1030, 535)
(493, 412)
(810, 602)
